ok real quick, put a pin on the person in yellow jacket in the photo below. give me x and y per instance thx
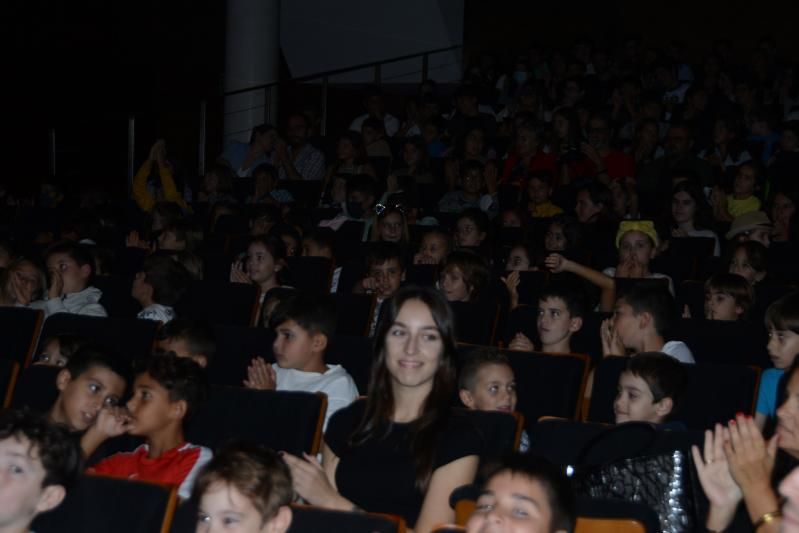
(164, 190)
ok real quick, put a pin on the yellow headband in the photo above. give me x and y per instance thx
(647, 227)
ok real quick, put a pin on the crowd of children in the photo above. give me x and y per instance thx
(588, 193)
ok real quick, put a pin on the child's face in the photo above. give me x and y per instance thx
(413, 347)
(518, 259)
(554, 322)
(472, 181)
(494, 390)
(745, 181)
(721, 306)
(538, 191)
(511, 504)
(260, 264)
(51, 355)
(81, 399)
(467, 233)
(783, 346)
(510, 219)
(295, 347)
(75, 277)
(150, 408)
(636, 246)
(683, 207)
(740, 265)
(434, 246)
(453, 285)
(21, 493)
(224, 508)
(555, 239)
(391, 228)
(387, 277)
(782, 210)
(635, 403)
(626, 323)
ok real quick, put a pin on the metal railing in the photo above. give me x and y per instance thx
(270, 114)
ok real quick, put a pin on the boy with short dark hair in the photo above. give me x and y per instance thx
(385, 272)
(167, 390)
(728, 297)
(249, 482)
(92, 380)
(188, 338)
(641, 318)
(561, 308)
(319, 242)
(486, 383)
(303, 326)
(39, 461)
(158, 287)
(71, 271)
(524, 485)
(651, 388)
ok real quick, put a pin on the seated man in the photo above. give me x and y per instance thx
(39, 461)
(524, 494)
(650, 389)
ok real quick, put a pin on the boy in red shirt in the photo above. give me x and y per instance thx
(166, 390)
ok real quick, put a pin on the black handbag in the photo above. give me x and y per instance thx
(617, 464)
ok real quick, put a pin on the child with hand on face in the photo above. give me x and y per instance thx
(166, 391)
(637, 242)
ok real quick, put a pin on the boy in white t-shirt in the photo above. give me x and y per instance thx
(303, 326)
(641, 317)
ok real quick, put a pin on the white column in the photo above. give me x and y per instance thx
(252, 56)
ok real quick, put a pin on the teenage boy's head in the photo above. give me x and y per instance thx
(74, 262)
(561, 308)
(385, 266)
(187, 338)
(162, 280)
(643, 312)
(39, 461)
(728, 297)
(248, 482)
(782, 321)
(167, 390)
(524, 494)
(486, 382)
(303, 326)
(650, 388)
(92, 379)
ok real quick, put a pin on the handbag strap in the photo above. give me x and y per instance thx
(632, 428)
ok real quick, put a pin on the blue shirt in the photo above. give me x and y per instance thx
(236, 152)
(767, 393)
